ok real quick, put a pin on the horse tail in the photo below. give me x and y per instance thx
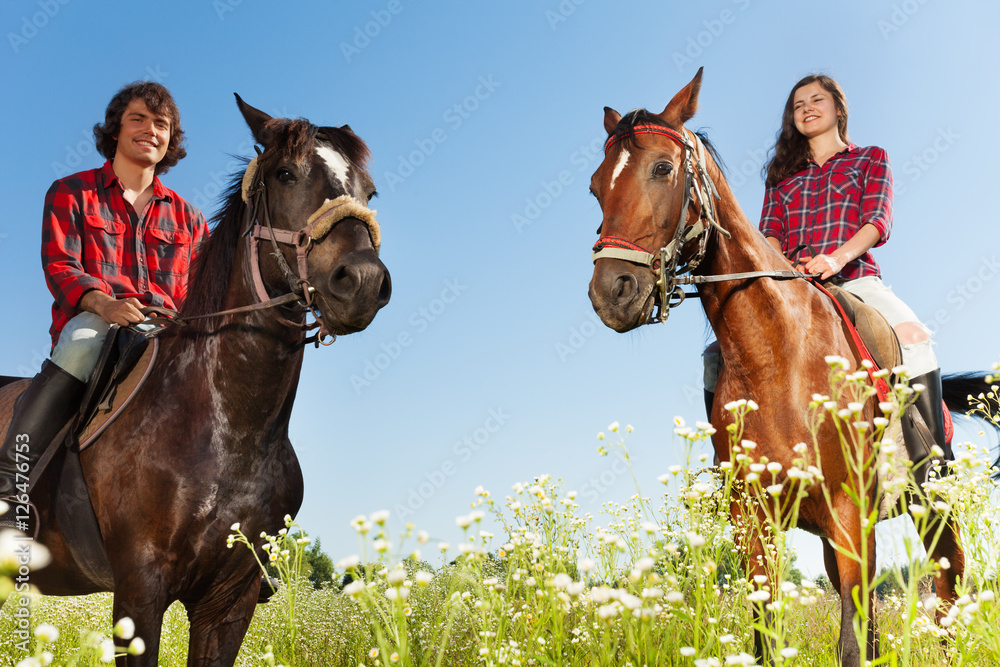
(959, 390)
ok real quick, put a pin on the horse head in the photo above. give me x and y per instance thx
(644, 186)
(315, 188)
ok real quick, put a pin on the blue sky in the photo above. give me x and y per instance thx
(485, 122)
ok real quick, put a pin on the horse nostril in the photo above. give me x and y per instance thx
(384, 290)
(344, 280)
(624, 289)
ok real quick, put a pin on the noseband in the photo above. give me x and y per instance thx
(257, 225)
(300, 292)
(700, 190)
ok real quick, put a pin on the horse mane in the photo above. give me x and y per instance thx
(623, 133)
(288, 141)
(209, 276)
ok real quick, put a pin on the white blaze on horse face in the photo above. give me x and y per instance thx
(622, 161)
(336, 163)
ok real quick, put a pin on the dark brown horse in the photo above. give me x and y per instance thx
(659, 188)
(205, 443)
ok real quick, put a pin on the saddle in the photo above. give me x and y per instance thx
(125, 362)
(884, 350)
(877, 334)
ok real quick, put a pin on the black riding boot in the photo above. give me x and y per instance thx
(51, 399)
(931, 409)
(928, 405)
(709, 401)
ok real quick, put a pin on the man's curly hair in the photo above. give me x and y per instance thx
(158, 100)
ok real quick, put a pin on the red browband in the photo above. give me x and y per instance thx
(647, 129)
(618, 242)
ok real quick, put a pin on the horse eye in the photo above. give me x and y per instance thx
(662, 169)
(285, 176)
(373, 194)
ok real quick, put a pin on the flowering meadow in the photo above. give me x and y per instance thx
(657, 580)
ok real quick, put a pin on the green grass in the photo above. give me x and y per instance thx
(655, 581)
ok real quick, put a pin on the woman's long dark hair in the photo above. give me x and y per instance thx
(791, 150)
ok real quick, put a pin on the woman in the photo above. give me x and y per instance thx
(827, 195)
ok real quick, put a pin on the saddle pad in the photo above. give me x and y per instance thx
(119, 397)
(878, 336)
(880, 339)
(8, 396)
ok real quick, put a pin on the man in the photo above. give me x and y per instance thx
(114, 239)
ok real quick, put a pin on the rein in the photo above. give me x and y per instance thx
(300, 294)
(666, 264)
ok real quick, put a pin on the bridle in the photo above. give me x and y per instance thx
(257, 226)
(699, 192)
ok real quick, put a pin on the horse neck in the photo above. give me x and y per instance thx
(239, 360)
(737, 309)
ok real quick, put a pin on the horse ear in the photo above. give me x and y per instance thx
(685, 103)
(256, 119)
(611, 118)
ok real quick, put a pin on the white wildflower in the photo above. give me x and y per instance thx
(137, 646)
(124, 628)
(47, 632)
(695, 539)
(107, 651)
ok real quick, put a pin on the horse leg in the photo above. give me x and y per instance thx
(764, 647)
(754, 547)
(144, 603)
(949, 545)
(850, 572)
(830, 560)
(872, 651)
(219, 621)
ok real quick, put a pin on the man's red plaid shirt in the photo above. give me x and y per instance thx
(93, 239)
(823, 207)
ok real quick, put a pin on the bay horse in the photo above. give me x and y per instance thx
(660, 188)
(205, 443)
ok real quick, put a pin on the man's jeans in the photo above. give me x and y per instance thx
(80, 344)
